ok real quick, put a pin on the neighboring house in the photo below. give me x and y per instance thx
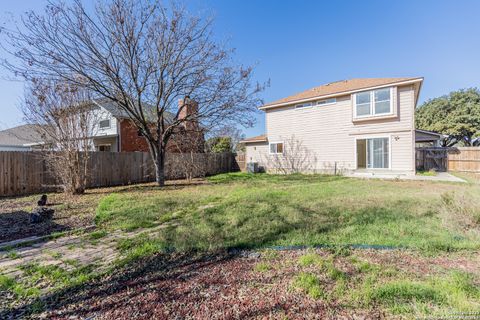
(22, 138)
(113, 131)
(425, 138)
(364, 125)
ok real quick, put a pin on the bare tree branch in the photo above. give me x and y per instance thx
(142, 56)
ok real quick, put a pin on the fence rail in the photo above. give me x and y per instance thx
(465, 159)
(27, 172)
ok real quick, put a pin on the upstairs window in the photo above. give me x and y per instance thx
(276, 148)
(104, 124)
(326, 102)
(372, 103)
(382, 101)
(363, 104)
(303, 105)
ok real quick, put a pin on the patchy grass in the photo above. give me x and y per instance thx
(18, 289)
(97, 234)
(430, 173)
(310, 259)
(308, 283)
(56, 255)
(139, 247)
(470, 177)
(254, 211)
(262, 267)
(398, 291)
(461, 210)
(12, 254)
(56, 276)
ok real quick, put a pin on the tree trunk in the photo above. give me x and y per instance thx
(160, 168)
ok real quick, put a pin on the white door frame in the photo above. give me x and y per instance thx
(366, 137)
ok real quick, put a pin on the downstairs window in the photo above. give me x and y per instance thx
(276, 147)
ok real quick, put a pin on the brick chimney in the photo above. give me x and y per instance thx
(187, 108)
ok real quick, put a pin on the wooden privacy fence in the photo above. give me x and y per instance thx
(27, 172)
(239, 163)
(431, 158)
(465, 159)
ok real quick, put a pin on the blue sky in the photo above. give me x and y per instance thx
(302, 44)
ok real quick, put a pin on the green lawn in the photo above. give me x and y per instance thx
(438, 224)
(255, 211)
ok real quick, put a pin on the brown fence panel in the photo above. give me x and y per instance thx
(239, 162)
(27, 172)
(431, 158)
(465, 159)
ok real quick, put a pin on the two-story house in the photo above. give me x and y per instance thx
(114, 131)
(357, 125)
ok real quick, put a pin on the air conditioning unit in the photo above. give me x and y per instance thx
(252, 167)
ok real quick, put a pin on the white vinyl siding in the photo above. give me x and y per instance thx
(99, 124)
(257, 152)
(329, 132)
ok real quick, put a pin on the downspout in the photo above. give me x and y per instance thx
(119, 133)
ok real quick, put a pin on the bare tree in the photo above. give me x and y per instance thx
(294, 158)
(142, 56)
(64, 118)
(187, 159)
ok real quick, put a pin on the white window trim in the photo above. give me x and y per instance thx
(372, 113)
(276, 142)
(300, 106)
(389, 137)
(326, 104)
(104, 145)
(105, 128)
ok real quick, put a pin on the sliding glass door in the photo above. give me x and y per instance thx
(373, 153)
(377, 153)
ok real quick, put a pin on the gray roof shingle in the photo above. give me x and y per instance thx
(26, 134)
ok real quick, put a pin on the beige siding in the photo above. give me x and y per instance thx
(257, 152)
(330, 134)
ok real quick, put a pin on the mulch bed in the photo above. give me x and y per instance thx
(223, 286)
(219, 286)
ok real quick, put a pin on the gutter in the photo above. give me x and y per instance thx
(253, 141)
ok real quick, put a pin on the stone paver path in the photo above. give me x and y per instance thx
(62, 251)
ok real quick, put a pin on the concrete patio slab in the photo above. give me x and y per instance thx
(440, 176)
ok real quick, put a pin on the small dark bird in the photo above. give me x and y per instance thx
(43, 200)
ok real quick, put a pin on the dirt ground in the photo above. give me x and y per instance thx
(71, 212)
